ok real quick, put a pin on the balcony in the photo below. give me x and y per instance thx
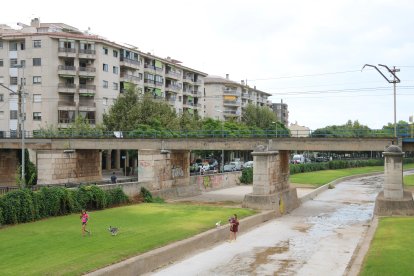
(87, 106)
(188, 79)
(171, 101)
(198, 82)
(159, 84)
(87, 53)
(245, 95)
(231, 113)
(66, 105)
(231, 103)
(149, 82)
(188, 104)
(231, 91)
(187, 92)
(64, 70)
(130, 78)
(149, 68)
(172, 75)
(67, 52)
(173, 88)
(67, 88)
(196, 93)
(87, 89)
(130, 63)
(87, 71)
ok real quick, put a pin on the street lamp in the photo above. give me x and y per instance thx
(21, 119)
(275, 127)
(222, 151)
(394, 81)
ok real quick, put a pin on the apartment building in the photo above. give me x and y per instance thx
(69, 73)
(225, 99)
(282, 112)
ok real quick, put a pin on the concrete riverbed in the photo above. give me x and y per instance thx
(318, 238)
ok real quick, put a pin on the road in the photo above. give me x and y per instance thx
(318, 238)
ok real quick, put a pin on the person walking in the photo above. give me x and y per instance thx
(84, 217)
(234, 227)
(113, 178)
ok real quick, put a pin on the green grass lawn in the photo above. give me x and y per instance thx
(409, 180)
(392, 249)
(320, 178)
(55, 246)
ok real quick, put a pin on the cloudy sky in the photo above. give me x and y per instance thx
(307, 53)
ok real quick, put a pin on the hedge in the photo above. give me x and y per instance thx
(339, 164)
(25, 205)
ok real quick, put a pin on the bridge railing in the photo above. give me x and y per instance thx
(404, 132)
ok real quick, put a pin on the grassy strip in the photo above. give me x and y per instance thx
(320, 178)
(55, 246)
(392, 248)
(409, 180)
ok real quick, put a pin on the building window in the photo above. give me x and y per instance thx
(37, 116)
(1, 63)
(23, 63)
(158, 79)
(105, 50)
(105, 67)
(13, 46)
(37, 80)
(1, 79)
(105, 101)
(115, 69)
(37, 62)
(115, 53)
(13, 62)
(115, 85)
(105, 84)
(1, 44)
(13, 80)
(13, 114)
(37, 98)
(1, 98)
(1, 114)
(37, 43)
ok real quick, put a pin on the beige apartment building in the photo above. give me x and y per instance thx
(282, 112)
(225, 99)
(68, 73)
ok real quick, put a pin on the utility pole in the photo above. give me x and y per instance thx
(22, 116)
(394, 81)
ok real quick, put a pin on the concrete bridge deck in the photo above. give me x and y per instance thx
(282, 143)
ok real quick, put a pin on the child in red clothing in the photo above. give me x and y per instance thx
(84, 217)
(234, 227)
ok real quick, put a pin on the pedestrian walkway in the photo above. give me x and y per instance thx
(318, 238)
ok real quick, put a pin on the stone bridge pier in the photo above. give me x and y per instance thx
(9, 163)
(164, 170)
(66, 166)
(271, 188)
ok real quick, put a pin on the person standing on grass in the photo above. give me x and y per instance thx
(84, 217)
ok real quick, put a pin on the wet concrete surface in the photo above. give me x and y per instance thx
(318, 238)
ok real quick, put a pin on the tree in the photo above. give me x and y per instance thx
(261, 117)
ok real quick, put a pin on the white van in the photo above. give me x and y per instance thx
(298, 159)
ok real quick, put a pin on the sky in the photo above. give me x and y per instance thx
(308, 54)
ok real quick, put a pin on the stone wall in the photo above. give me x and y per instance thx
(211, 182)
(8, 166)
(57, 166)
(164, 170)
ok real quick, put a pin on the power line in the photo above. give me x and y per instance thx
(308, 75)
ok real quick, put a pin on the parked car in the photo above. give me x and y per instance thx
(213, 164)
(298, 159)
(238, 166)
(229, 168)
(248, 164)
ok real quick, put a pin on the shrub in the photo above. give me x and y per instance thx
(247, 176)
(116, 196)
(1, 216)
(91, 197)
(335, 165)
(17, 207)
(57, 201)
(147, 196)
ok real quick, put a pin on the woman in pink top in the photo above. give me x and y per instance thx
(84, 217)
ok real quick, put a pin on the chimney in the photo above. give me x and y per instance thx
(227, 76)
(35, 22)
(242, 82)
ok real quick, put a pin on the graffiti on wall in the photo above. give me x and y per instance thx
(177, 172)
(208, 182)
